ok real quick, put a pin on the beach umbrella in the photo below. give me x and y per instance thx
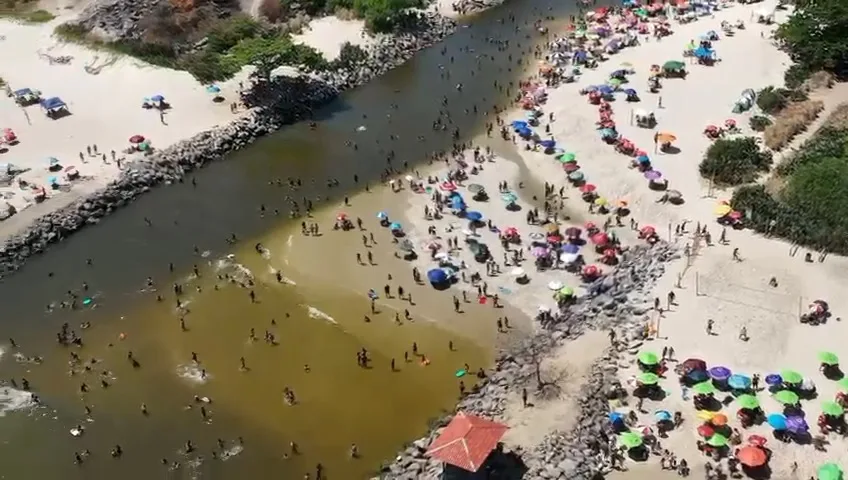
(395, 227)
(518, 272)
(136, 139)
(615, 82)
(662, 415)
(382, 215)
(757, 440)
(519, 124)
(706, 431)
(665, 137)
(570, 248)
(719, 420)
(575, 176)
(832, 408)
(616, 417)
(53, 180)
(509, 197)
(829, 471)
(587, 188)
(566, 291)
(828, 358)
(649, 358)
(591, 270)
(787, 397)
(629, 92)
(539, 252)
(751, 456)
(796, 424)
(600, 238)
(674, 65)
(791, 376)
(474, 216)
(406, 246)
(567, 157)
(570, 167)
(843, 384)
(213, 89)
(773, 379)
(437, 275)
(601, 201)
(52, 161)
(643, 159)
(718, 440)
(569, 258)
(605, 90)
(157, 98)
(693, 364)
(476, 188)
(698, 376)
(739, 382)
(648, 378)
(705, 415)
(776, 421)
(608, 133)
(555, 285)
(719, 373)
(548, 143)
(653, 174)
(704, 388)
(748, 401)
(630, 440)
(572, 232)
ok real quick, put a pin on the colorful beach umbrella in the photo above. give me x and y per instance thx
(843, 384)
(752, 456)
(576, 176)
(828, 358)
(722, 210)
(718, 440)
(791, 376)
(648, 378)
(630, 439)
(748, 401)
(829, 471)
(704, 388)
(567, 157)
(662, 416)
(649, 358)
(787, 397)
(776, 421)
(739, 382)
(832, 408)
(666, 137)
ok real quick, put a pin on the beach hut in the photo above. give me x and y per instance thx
(55, 108)
(467, 441)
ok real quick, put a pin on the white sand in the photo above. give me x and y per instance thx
(328, 34)
(733, 294)
(105, 110)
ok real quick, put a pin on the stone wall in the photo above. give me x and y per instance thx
(620, 300)
(283, 101)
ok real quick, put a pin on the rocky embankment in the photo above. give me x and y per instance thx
(274, 103)
(621, 300)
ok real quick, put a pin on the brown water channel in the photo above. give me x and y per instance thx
(338, 402)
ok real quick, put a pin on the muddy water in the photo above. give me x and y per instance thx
(318, 317)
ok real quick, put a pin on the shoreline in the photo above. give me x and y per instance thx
(286, 101)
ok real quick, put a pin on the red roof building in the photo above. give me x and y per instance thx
(467, 441)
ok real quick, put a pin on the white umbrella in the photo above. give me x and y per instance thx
(409, 178)
(555, 285)
(569, 257)
(544, 308)
(441, 256)
(517, 272)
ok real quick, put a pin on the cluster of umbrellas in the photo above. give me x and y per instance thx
(140, 142)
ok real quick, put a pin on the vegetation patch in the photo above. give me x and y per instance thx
(734, 161)
(24, 11)
(814, 36)
(759, 123)
(792, 120)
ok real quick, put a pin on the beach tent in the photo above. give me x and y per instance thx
(26, 96)
(467, 441)
(437, 276)
(54, 106)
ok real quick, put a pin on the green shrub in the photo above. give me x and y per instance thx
(227, 33)
(36, 16)
(771, 100)
(350, 56)
(759, 123)
(827, 142)
(207, 66)
(734, 161)
(815, 39)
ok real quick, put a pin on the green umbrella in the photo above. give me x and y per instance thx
(787, 397)
(704, 388)
(674, 65)
(567, 157)
(748, 401)
(614, 82)
(828, 358)
(717, 440)
(843, 384)
(566, 291)
(649, 358)
(832, 408)
(630, 439)
(509, 197)
(791, 376)
(829, 471)
(648, 378)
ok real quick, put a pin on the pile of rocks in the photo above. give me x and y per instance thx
(621, 300)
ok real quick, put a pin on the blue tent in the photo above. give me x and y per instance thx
(437, 275)
(395, 226)
(616, 417)
(474, 216)
(53, 103)
(23, 92)
(525, 132)
(570, 248)
(157, 98)
(548, 143)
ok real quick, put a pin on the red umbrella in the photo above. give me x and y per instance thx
(341, 216)
(647, 231)
(589, 226)
(752, 456)
(609, 253)
(467, 441)
(600, 238)
(136, 139)
(694, 364)
(554, 238)
(757, 440)
(572, 232)
(591, 270)
(735, 215)
(587, 188)
(639, 153)
(705, 431)
(570, 167)
(511, 231)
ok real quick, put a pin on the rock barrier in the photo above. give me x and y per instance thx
(621, 300)
(281, 101)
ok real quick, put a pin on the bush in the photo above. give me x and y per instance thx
(759, 123)
(227, 33)
(815, 38)
(771, 100)
(734, 161)
(350, 56)
(828, 142)
(793, 120)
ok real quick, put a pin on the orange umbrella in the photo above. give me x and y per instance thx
(752, 456)
(467, 441)
(719, 419)
(665, 137)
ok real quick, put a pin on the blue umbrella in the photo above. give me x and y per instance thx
(643, 159)
(213, 89)
(519, 124)
(739, 382)
(53, 161)
(776, 421)
(629, 92)
(157, 98)
(437, 275)
(607, 133)
(720, 373)
(618, 73)
(458, 204)
(52, 180)
(605, 89)
(702, 52)
(548, 143)
(591, 88)
(474, 216)
(524, 132)
(616, 417)
(662, 416)
(570, 248)
(382, 215)
(698, 376)
(509, 197)
(796, 424)
(395, 226)
(580, 55)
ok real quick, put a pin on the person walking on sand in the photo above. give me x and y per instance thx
(710, 326)
(612, 336)
(670, 300)
(736, 255)
(524, 397)
(743, 334)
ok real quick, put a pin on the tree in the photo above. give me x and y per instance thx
(815, 37)
(734, 161)
(546, 376)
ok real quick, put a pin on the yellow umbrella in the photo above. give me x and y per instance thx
(705, 415)
(722, 209)
(600, 201)
(665, 137)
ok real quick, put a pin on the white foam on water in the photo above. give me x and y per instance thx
(2, 352)
(231, 452)
(286, 280)
(12, 400)
(192, 373)
(315, 313)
